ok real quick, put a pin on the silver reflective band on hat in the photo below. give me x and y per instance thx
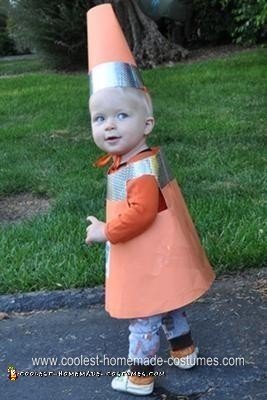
(114, 74)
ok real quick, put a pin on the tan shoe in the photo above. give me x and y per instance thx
(185, 358)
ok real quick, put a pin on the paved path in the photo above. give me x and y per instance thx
(228, 322)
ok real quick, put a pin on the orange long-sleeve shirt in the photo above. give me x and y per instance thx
(144, 202)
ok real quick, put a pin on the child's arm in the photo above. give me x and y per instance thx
(143, 203)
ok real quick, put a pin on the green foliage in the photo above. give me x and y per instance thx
(224, 20)
(7, 46)
(55, 28)
(212, 21)
(249, 16)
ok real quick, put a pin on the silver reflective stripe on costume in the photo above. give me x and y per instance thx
(114, 74)
(154, 165)
(165, 174)
(107, 254)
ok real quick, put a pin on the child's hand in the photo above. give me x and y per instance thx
(95, 231)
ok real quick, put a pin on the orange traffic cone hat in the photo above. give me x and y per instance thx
(110, 61)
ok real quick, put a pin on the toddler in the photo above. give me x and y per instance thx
(155, 264)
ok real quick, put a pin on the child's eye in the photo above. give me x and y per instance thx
(122, 116)
(98, 118)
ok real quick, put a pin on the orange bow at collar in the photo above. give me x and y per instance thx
(106, 159)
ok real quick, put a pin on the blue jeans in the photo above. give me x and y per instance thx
(144, 338)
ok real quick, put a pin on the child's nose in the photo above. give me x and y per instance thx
(110, 124)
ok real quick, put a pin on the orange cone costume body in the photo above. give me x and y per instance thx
(164, 267)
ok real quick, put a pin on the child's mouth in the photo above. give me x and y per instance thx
(112, 138)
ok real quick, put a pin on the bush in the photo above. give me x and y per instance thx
(7, 46)
(221, 21)
(212, 22)
(250, 16)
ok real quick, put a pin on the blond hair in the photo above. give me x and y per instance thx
(141, 96)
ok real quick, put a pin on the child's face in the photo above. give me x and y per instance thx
(120, 121)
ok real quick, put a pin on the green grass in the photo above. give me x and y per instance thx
(211, 120)
(31, 64)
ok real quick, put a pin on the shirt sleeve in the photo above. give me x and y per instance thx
(143, 202)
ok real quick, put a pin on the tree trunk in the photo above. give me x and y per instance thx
(148, 45)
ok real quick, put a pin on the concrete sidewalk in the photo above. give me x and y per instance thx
(227, 323)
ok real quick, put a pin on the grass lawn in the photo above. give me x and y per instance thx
(211, 121)
(20, 66)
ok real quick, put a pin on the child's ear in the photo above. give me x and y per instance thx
(149, 125)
